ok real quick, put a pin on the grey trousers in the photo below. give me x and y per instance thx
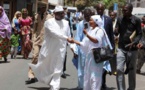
(122, 58)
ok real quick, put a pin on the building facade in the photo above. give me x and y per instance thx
(11, 6)
(138, 3)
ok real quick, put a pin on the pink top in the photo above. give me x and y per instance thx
(25, 23)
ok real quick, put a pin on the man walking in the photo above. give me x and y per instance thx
(141, 51)
(37, 39)
(127, 51)
(51, 57)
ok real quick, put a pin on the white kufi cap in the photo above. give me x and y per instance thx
(58, 8)
(97, 20)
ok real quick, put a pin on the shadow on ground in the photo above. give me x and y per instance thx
(39, 88)
(110, 88)
(47, 88)
(142, 73)
(4, 61)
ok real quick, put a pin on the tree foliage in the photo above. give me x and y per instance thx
(87, 3)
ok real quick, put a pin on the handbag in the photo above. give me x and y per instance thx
(103, 53)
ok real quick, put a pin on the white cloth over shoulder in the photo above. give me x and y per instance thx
(51, 56)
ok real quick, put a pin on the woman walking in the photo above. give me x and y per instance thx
(25, 22)
(16, 26)
(5, 33)
(95, 37)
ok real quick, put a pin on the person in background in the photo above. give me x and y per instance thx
(25, 23)
(49, 67)
(69, 19)
(5, 34)
(16, 21)
(37, 39)
(94, 38)
(14, 44)
(79, 56)
(113, 63)
(127, 50)
(141, 51)
(108, 26)
(16, 26)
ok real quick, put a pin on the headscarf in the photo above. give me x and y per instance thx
(97, 19)
(5, 24)
(58, 8)
(15, 16)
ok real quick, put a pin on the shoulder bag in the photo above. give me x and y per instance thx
(103, 53)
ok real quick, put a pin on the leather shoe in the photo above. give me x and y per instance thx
(63, 75)
(31, 80)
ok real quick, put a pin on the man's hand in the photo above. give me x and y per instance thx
(116, 38)
(70, 40)
(75, 55)
(140, 45)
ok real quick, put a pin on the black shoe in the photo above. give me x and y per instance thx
(104, 87)
(63, 75)
(5, 59)
(11, 56)
(32, 80)
(138, 71)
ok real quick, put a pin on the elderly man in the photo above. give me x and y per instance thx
(51, 57)
(37, 39)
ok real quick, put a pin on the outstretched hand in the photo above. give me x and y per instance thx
(70, 40)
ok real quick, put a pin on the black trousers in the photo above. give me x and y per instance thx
(64, 64)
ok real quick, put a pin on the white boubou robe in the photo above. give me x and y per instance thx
(51, 56)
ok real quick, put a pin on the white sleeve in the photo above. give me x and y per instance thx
(99, 35)
(84, 45)
(53, 32)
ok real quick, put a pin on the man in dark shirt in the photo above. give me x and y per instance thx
(127, 51)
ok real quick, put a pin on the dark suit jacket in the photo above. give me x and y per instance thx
(109, 29)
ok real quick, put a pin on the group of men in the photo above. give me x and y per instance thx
(49, 65)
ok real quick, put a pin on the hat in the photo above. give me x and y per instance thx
(97, 19)
(58, 9)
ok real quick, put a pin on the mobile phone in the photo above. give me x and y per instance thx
(86, 25)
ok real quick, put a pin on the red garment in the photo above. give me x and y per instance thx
(25, 23)
(142, 25)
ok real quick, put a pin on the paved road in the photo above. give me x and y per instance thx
(14, 73)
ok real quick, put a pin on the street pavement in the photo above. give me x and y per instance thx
(14, 74)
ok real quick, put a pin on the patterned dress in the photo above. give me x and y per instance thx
(25, 37)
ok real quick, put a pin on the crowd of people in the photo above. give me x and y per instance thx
(47, 36)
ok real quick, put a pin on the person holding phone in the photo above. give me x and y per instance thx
(95, 37)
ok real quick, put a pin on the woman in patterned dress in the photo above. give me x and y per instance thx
(25, 22)
(5, 33)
